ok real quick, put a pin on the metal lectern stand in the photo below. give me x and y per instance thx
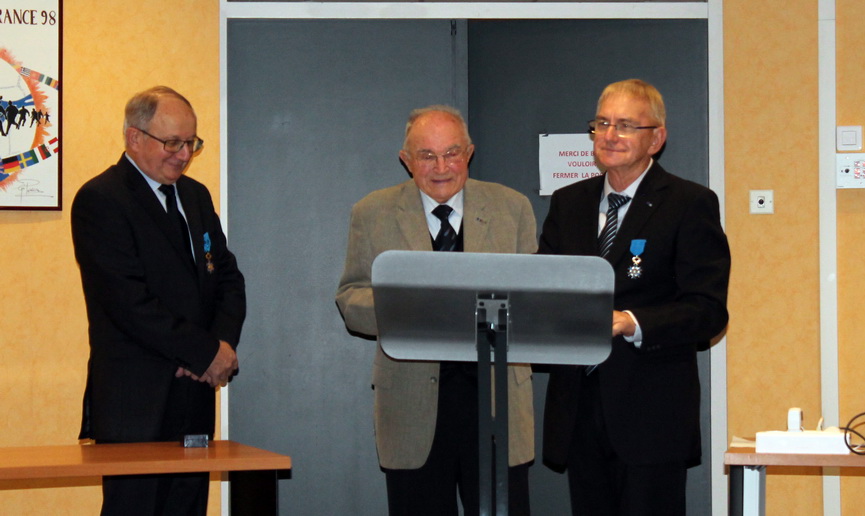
(493, 308)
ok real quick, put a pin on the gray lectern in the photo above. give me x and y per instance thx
(493, 308)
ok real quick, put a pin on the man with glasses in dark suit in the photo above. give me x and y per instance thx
(165, 302)
(628, 429)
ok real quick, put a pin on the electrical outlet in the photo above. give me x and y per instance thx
(850, 170)
(762, 202)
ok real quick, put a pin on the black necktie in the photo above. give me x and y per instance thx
(175, 216)
(447, 237)
(605, 240)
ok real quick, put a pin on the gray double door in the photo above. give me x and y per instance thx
(316, 117)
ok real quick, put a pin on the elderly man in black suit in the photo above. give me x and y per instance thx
(165, 301)
(628, 430)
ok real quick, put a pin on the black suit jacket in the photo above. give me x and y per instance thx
(651, 395)
(150, 308)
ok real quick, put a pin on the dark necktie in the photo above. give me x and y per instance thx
(447, 237)
(175, 216)
(608, 234)
(605, 240)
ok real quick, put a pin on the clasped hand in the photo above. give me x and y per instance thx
(224, 365)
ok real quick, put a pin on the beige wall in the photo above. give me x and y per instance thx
(771, 87)
(771, 109)
(773, 341)
(850, 64)
(109, 53)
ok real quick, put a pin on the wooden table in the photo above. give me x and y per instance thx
(747, 494)
(253, 472)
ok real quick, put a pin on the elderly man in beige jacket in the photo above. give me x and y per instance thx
(426, 414)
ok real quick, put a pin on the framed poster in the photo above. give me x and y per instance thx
(30, 117)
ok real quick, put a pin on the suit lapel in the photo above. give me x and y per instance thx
(193, 220)
(411, 220)
(586, 235)
(645, 203)
(476, 219)
(146, 197)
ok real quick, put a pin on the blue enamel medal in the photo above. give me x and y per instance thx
(637, 248)
(207, 255)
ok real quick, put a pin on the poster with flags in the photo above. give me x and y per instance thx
(30, 117)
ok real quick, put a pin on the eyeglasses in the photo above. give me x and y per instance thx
(623, 129)
(172, 146)
(429, 158)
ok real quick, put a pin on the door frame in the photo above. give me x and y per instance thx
(710, 10)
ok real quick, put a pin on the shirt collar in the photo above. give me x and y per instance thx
(455, 202)
(154, 185)
(631, 190)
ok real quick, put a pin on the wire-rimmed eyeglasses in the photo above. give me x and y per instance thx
(623, 129)
(194, 145)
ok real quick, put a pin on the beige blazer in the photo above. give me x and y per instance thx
(496, 219)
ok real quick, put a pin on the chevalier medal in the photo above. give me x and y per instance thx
(637, 248)
(207, 255)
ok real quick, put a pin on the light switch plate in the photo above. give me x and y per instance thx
(848, 138)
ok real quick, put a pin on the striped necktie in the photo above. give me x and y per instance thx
(447, 237)
(605, 240)
(608, 234)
